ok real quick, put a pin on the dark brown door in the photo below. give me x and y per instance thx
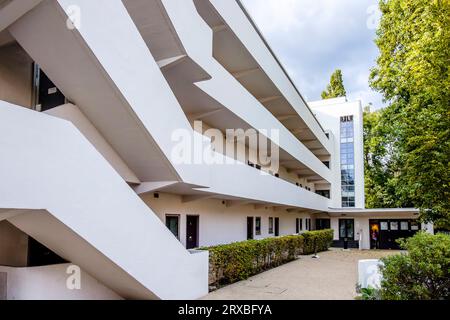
(192, 232)
(249, 228)
(277, 227)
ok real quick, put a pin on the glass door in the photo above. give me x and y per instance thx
(346, 229)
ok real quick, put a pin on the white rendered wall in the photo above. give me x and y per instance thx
(50, 283)
(15, 75)
(129, 72)
(197, 39)
(85, 212)
(219, 224)
(73, 114)
(239, 151)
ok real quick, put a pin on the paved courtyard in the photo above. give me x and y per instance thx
(331, 277)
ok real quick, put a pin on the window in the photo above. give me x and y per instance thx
(301, 224)
(347, 162)
(404, 225)
(394, 225)
(297, 225)
(324, 193)
(322, 224)
(173, 224)
(258, 226)
(270, 225)
(308, 224)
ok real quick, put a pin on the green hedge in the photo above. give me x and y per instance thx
(238, 261)
(322, 239)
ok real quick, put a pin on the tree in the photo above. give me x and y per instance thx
(381, 164)
(421, 274)
(413, 75)
(336, 87)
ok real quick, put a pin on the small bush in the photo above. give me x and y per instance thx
(238, 261)
(321, 238)
(421, 274)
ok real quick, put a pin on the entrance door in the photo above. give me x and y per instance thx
(374, 232)
(347, 231)
(48, 95)
(277, 227)
(249, 228)
(192, 231)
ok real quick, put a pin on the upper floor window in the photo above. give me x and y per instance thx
(324, 193)
(347, 158)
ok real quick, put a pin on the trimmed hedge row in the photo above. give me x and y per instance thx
(237, 261)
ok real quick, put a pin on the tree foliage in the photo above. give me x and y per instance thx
(336, 87)
(409, 141)
(421, 274)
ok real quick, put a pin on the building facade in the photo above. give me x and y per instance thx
(134, 131)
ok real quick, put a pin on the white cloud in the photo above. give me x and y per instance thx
(315, 37)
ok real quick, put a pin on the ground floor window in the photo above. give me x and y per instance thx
(322, 224)
(270, 225)
(258, 226)
(308, 224)
(173, 224)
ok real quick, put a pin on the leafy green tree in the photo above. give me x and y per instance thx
(413, 75)
(423, 273)
(381, 164)
(336, 87)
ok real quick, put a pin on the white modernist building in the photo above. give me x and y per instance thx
(133, 131)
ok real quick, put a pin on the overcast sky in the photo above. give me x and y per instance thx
(312, 38)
